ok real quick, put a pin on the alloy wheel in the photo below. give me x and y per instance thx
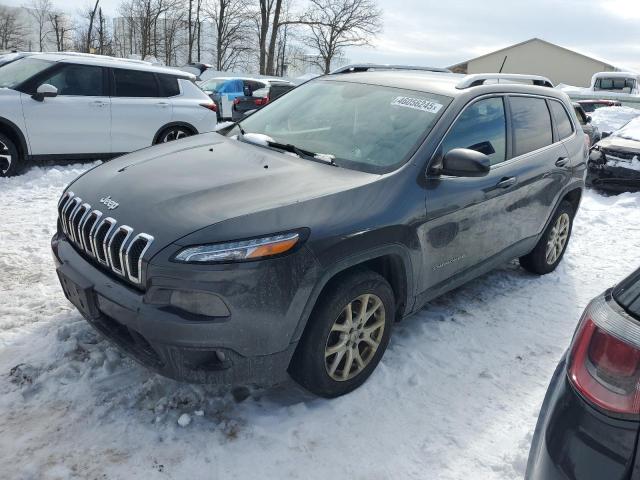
(557, 238)
(174, 134)
(5, 158)
(355, 337)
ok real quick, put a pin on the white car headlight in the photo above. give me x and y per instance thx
(239, 251)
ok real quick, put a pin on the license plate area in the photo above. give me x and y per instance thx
(79, 291)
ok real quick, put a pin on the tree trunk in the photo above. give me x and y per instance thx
(190, 38)
(274, 36)
(93, 15)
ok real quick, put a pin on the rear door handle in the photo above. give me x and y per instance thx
(98, 103)
(562, 161)
(507, 182)
(163, 104)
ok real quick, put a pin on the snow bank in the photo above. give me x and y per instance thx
(456, 395)
(610, 119)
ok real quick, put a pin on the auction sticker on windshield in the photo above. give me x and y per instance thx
(417, 104)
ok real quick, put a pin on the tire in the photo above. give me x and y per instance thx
(328, 375)
(10, 160)
(173, 133)
(545, 257)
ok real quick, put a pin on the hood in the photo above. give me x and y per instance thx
(175, 189)
(620, 144)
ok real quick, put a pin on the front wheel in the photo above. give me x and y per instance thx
(10, 161)
(347, 335)
(549, 250)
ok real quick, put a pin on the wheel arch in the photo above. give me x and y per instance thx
(193, 129)
(14, 133)
(393, 262)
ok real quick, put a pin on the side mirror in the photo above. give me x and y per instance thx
(45, 90)
(462, 162)
(588, 118)
(247, 91)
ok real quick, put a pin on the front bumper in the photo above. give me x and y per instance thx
(574, 441)
(252, 344)
(613, 179)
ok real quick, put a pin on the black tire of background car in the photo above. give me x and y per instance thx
(535, 261)
(16, 165)
(183, 130)
(307, 366)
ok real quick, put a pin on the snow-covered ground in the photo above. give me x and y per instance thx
(456, 395)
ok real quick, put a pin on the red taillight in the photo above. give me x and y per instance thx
(604, 360)
(261, 101)
(236, 101)
(210, 106)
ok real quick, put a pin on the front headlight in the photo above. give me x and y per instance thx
(239, 251)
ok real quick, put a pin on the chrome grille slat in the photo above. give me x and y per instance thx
(134, 274)
(113, 246)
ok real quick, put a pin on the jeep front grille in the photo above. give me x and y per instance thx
(114, 246)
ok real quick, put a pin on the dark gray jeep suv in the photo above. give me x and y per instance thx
(293, 240)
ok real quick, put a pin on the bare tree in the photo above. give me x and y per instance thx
(91, 15)
(337, 24)
(62, 27)
(268, 24)
(40, 11)
(12, 31)
(232, 32)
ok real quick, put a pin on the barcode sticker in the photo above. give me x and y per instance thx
(421, 104)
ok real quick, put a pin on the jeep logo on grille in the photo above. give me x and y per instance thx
(111, 204)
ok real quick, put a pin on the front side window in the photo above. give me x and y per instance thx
(481, 127)
(561, 119)
(134, 83)
(81, 80)
(15, 73)
(531, 124)
(366, 127)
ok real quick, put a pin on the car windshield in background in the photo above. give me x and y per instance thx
(15, 73)
(365, 127)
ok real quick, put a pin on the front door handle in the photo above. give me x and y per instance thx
(562, 161)
(507, 182)
(163, 104)
(98, 103)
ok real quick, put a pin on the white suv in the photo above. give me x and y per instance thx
(62, 106)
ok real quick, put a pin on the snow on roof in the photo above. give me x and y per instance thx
(106, 61)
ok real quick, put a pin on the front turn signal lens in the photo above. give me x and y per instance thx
(243, 250)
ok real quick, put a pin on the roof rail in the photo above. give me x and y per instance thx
(365, 67)
(477, 79)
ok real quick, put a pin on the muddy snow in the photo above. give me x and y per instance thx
(456, 396)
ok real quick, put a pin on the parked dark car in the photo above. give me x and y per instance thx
(294, 240)
(587, 127)
(591, 106)
(589, 421)
(258, 99)
(614, 162)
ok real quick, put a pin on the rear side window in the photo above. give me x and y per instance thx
(560, 117)
(132, 83)
(531, 124)
(169, 85)
(79, 80)
(481, 127)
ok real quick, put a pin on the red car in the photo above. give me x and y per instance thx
(590, 106)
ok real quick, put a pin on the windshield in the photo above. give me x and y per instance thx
(623, 85)
(627, 294)
(15, 73)
(222, 85)
(365, 127)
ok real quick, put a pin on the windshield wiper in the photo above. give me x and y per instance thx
(317, 157)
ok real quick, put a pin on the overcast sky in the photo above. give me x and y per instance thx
(442, 33)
